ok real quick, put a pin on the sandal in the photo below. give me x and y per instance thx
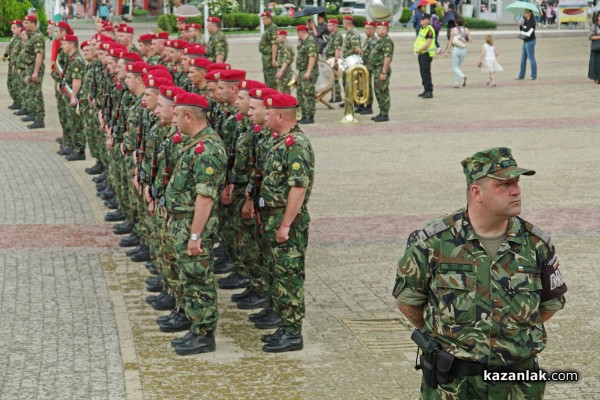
(464, 81)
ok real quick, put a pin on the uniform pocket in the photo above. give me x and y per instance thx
(526, 289)
(455, 291)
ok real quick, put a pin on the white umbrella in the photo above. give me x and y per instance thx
(187, 10)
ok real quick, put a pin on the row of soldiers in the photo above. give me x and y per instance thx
(191, 153)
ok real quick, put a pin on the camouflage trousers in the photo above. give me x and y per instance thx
(371, 77)
(382, 91)
(306, 93)
(269, 72)
(197, 288)
(166, 257)
(91, 129)
(62, 116)
(287, 267)
(19, 87)
(282, 84)
(246, 241)
(13, 84)
(34, 99)
(226, 231)
(474, 388)
(74, 126)
(337, 89)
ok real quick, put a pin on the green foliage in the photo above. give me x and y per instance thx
(219, 8)
(406, 15)
(243, 21)
(139, 12)
(166, 22)
(332, 7)
(475, 23)
(439, 11)
(42, 19)
(13, 9)
(284, 20)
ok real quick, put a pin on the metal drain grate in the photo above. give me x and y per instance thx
(381, 335)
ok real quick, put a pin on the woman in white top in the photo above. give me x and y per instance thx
(459, 37)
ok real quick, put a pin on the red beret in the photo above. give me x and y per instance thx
(181, 19)
(83, 44)
(16, 22)
(155, 83)
(280, 101)
(348, 18)
(157, 74)
(261, 93)
(383, 23)
(146, 37)
(200, 63)
(232, 75)
(65, 26)
(333, 21)
(136, 67)
(195, 26)
(161, 35)
(106, 23)
(178, 44)
(130, 56)
(30, 18)
(248, 84)
(191, 99)
(370, 23)
(169, 91)
(218, 66)
(103, 38)
(158, 67)
(213, 19)
(266, 14)
(195, 50)
(282, 32)
(70, 38)
(125, 29)
(301, 28)
(212, 76)
(108, 28)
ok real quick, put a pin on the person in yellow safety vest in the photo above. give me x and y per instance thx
(424, 48)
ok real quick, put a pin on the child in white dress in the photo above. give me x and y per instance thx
(487, 62)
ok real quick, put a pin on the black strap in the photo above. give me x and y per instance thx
(469, 368)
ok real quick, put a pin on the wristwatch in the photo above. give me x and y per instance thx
(194, 237)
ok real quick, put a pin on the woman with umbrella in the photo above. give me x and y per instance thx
(594, 68)
(527, 27)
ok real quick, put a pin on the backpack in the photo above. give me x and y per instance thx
(436, 23)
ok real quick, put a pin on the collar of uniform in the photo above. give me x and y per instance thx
(203, 132)
(513, 232)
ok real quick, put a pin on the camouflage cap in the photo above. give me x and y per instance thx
(497, 163)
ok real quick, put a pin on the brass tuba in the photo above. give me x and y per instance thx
(384, 10)
(357, 90)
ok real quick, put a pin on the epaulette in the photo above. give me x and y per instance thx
(535, 231)
(436, 226)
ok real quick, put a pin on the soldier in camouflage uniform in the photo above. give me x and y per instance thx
(288, 176)
(381, 59)
(190, 201)
(32, 57)
(60, 64)
(308, 72)
(196, 74)
(13, 49)
(158, 48)
(145, 46)
(195, 34)
(72, 78)
(333, 49)
(285, 59)
(268, 48)
(217, 47)
(350, 47)
(481, 282)
(367, 54)
(190, 52)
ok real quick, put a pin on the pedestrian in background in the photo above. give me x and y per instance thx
(449, 19)
(527, 28)
(459, 53)
(487, 61)
(424, 48)
(594, 67)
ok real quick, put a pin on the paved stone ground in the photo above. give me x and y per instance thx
(73, 321)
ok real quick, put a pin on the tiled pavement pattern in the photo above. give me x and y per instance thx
(73, 322)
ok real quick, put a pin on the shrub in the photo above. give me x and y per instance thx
(406, 15)
(13, 9)
(139, 13)
(167, 22)
(284, 20)
(475, 23)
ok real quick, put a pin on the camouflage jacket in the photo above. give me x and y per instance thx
(306, 49)
(199, 171)
(289, 163)
(335, 42)
(34, 45)
(367, 50)
(481, 309)
(286, 54)
(267, 40)
(382, 49)
(149, 146)
(155, 59)
(165, 157)
(196, 40)
(230, 131)
(135, 122)
(351, 42)
(74, 68)
(243, 152)
(8, 52)
(14, 51)
(62, 60)
(217, 44)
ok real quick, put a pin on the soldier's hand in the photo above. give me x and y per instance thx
(273, 64)
(73, 101)
(34, 78)
(109, 141)
(382, 76)
(283, 234)
(194, 247)
(58, 87)
(123, 149)
(278, 75)
(26, 80)
(306, 76)
(151, 207)
(147, 195)
(226, 194)
(248, 210)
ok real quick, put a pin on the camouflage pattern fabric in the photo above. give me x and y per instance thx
(351, 42)
(289, 163)
(367, 50)
(384, 48)
(217, 45)
(199, 171)
(17, 84)
(446, 269)
(335, 42)
(33, 96)
(73, 124)
(267, 40)
(285, 54)
(197, 40)
(88, 93)
(306, 88)
(14, 47)
(497, 163)
(62, 59)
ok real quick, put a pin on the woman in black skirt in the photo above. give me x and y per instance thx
(594, 70)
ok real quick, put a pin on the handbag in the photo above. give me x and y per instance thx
(595, 46)
(459, 41)
(523, 36)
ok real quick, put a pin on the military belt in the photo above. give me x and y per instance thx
(181, 215)
(470, 368)
(267, 212)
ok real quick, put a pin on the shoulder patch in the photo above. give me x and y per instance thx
(433, 228)
(535, 231)
(289, 140)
